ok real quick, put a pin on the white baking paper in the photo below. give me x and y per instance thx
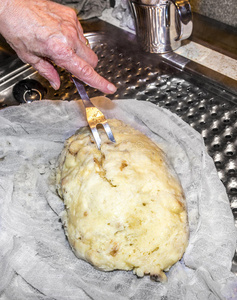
(36, 261)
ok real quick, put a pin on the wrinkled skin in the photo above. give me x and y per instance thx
(42, 32)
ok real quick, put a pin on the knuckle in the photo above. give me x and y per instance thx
(87, 71)
(69, 30)
(61, 46)
(30, 58)
(90, 76)
(72, 31)
(71, 12)
(59, 50)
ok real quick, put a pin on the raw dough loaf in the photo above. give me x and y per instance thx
(125, 209)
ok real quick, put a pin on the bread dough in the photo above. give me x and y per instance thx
(124, 206)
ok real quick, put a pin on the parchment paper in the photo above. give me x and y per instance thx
(36, 261)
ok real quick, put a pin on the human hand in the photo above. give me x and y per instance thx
(42, 32)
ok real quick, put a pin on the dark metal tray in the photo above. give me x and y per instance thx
(169, 81)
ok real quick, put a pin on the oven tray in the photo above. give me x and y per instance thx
(207, 107)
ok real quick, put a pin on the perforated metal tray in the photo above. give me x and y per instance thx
(206, 106)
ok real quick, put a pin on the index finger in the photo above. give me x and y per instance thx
(85, 72)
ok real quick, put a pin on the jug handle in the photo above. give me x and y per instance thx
(185, 17)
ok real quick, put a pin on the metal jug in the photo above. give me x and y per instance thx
(162, 24)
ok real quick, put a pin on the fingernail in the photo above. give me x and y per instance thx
(54, 85)
(111, 88)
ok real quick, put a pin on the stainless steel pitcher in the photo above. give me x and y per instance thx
(162, 24)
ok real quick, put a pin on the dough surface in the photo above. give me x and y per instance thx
(124, 206)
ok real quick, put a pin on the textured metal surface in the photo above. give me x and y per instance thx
(209, 109)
